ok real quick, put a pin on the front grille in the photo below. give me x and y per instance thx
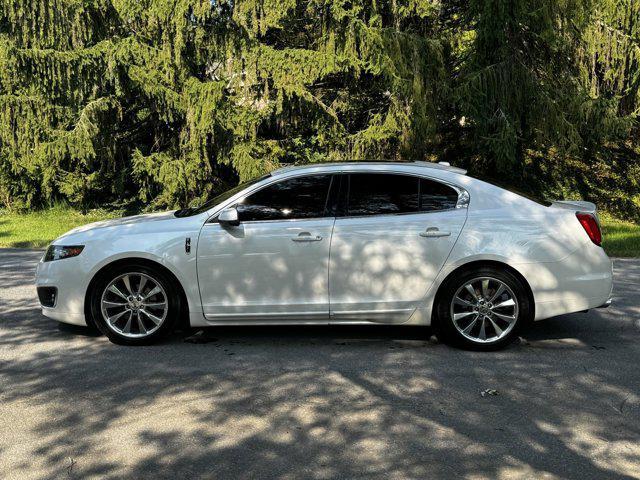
(47, 296)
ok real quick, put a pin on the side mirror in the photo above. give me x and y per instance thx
(229, 217)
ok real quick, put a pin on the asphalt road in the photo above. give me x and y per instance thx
(316, 403)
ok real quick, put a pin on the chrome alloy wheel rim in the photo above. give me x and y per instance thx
(134, 305)
(484, 310)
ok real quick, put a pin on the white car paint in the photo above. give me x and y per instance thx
(360, 270)
(259, 270)
(381, 266)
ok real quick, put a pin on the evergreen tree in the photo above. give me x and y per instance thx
(168, 101)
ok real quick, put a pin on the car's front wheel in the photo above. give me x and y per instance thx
(483, 309)
(135, 304)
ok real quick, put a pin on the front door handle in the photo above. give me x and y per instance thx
(434, 232)
(306, 237)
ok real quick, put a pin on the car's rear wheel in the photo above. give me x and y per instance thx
(135, 304)
(483, 309)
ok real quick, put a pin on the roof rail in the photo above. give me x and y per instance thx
(442, 166)
(439, 166)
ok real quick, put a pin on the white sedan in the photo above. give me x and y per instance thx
(343, 243)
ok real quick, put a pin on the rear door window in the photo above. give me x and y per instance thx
(436, 196)
(381, 194)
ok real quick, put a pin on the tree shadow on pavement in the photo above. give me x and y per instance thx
(319, 402)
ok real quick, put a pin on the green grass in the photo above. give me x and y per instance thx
(620, 238)
(37, 229)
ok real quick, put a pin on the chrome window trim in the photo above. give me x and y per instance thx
(403, 214)
(288, 220)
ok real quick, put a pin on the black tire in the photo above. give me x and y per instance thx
(456, 286)
(169, 293)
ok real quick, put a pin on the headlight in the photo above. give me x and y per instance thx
(58, 252)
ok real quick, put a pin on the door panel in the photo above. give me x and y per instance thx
(262, 270)
(274, 265)
(381, 266)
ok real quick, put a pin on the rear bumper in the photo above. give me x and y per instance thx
(606, 304)
(581, 281)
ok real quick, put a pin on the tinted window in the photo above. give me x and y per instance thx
(378, 194)
(301, 197)
(186, 212)
(436, 196)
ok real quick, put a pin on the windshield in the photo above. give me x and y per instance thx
(186, 212)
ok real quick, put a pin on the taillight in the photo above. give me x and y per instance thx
(590, 225)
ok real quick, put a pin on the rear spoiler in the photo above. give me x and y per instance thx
(575, 205)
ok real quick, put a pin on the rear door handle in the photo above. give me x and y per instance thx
(434, 232)
(306, 237)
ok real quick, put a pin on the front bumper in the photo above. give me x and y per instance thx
(65, 317)
(70, 282)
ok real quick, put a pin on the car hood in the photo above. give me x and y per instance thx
(116, 222)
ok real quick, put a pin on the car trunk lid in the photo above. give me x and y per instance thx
(575, 205)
